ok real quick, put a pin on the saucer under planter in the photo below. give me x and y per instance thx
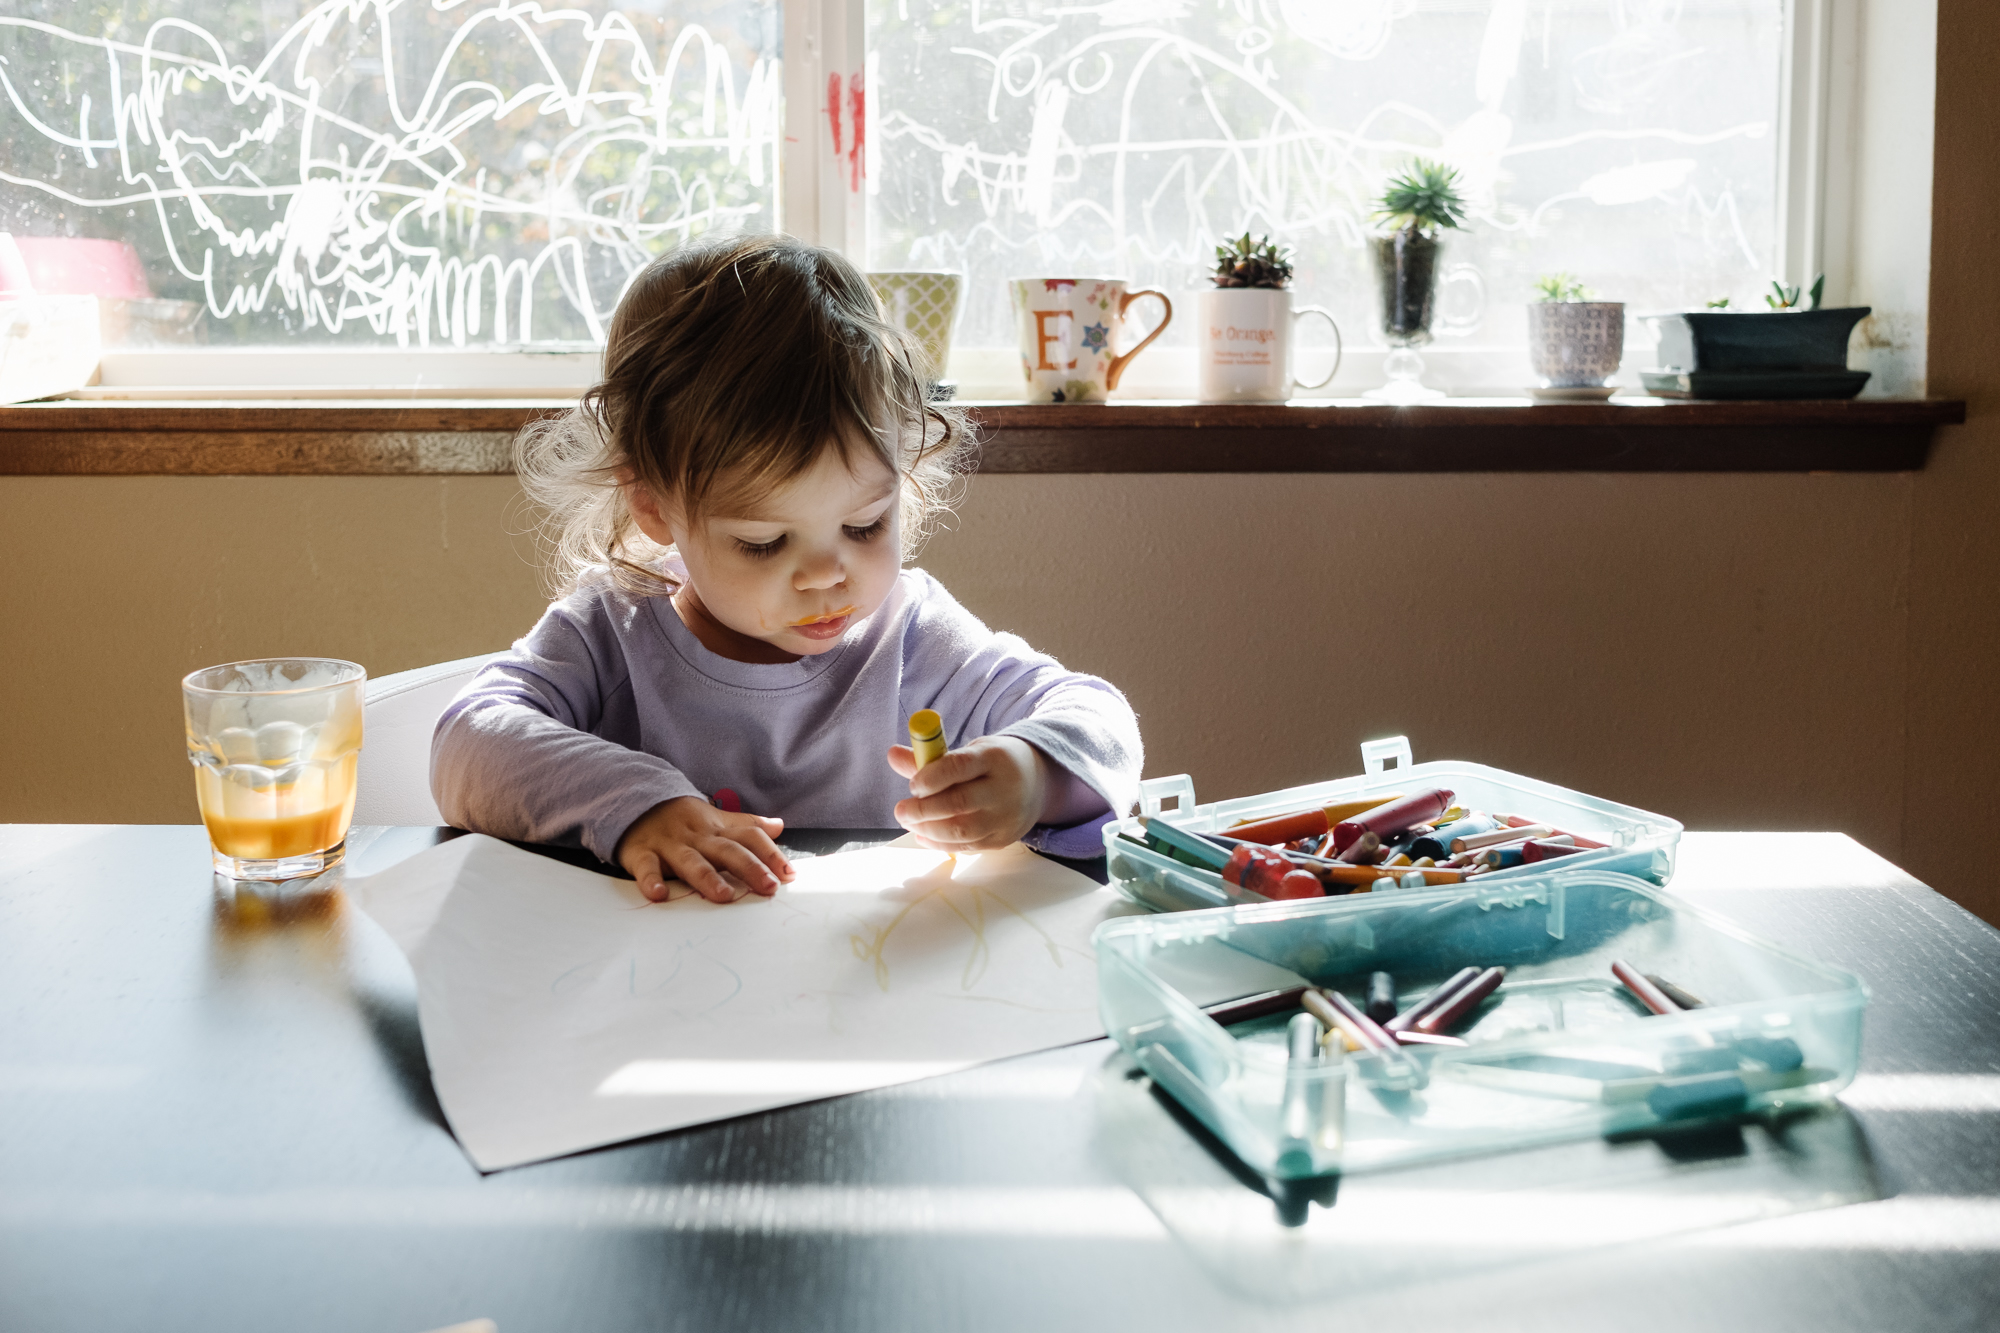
(1579, 393)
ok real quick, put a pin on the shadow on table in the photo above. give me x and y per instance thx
(1281, 1242)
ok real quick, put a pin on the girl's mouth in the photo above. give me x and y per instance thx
(829, 626)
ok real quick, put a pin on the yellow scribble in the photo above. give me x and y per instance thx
(973, 914)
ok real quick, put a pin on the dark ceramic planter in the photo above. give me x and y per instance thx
(1406, 268)
(1757, 340)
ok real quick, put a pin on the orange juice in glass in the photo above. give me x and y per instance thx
(274, 745)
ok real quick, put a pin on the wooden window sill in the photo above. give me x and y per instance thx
(439, 437)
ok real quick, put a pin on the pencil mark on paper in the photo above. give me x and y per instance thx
(689, 983)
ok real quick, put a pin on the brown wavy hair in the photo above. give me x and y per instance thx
(730, 367)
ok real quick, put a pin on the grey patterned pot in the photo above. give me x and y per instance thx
(1576, 344)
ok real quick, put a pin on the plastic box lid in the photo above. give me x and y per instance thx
(1560, 1051)
(1640, 842)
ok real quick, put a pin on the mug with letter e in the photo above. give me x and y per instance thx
(1067, 327)
(275, 746)
(1245, 351)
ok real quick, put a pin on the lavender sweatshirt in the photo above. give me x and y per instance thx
(610, 706)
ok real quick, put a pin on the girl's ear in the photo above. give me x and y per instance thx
(647, 511)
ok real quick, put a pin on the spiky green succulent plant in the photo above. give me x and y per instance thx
(1561, 287)
(1246, 263)
(1424, 198)
(1787, 298)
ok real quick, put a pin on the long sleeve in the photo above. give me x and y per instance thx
(521, 752)
(995, 684)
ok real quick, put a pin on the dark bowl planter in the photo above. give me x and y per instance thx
(1406, 267)
(1757, 340)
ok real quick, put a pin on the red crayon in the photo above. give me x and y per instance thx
(1337, 1011)
(1394, 817)
(1261, 870)
(1431, 999)
(1467, 998)
(1647, 993)
(1539, 850)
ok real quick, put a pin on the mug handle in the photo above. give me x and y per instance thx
(1116, 370)
(1338, 346)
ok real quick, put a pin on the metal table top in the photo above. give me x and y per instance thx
(215, 1114)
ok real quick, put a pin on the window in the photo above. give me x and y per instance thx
(462, 177)
(1632, 143)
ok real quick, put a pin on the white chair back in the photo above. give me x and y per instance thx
(394, 786)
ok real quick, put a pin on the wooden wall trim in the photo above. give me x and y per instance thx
(350, 437)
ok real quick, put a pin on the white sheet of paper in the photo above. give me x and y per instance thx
(562, 1011)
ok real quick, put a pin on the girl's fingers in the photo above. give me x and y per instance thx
(729, 855)
(769, 853)
(695, 872)
(644, 868)
(944, 804)
(958, 767)
(903, 760)
(770, 824)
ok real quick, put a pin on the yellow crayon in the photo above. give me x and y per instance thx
(926, 736)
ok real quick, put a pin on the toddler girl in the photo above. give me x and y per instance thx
(730, 509)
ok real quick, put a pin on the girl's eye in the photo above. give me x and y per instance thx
(759, 550)
(871, 532)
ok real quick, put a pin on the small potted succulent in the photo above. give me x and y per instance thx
(1574, 342)
(1789, 349)
(1246, 325)
(1417, 206)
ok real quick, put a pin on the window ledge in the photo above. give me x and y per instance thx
(435, 437)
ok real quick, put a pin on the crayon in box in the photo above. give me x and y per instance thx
(1637, 842)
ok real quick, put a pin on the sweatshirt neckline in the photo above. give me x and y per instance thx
(726, 670)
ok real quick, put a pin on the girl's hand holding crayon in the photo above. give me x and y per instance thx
(692, 841)
(983, 796)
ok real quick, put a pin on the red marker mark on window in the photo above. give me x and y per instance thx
(833, 110)
(857, 109)
(729, 800)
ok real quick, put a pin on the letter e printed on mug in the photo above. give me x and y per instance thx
(1067, 328)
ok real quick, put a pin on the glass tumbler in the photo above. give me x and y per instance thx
(274, 745)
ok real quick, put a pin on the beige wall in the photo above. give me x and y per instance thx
(1735, 651)
(1728, 650)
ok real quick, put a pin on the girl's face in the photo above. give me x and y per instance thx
(787, 578)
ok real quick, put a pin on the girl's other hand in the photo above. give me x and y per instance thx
(976, 799)
(717, 854)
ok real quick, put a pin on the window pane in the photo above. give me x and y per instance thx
(423, 173)
(1632, 143)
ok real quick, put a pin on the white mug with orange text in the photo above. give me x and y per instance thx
(1244, 345)
(1068, 327)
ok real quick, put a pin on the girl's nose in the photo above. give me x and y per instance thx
(820, 569)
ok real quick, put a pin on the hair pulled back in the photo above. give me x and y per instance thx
(730, 366)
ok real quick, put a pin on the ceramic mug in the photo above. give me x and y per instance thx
(1245, 353)
(923, 305)
(1067, 327)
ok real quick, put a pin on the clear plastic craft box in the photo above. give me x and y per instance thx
(1559, 1051)
(1638, 842)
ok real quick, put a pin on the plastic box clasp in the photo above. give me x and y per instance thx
(1155, 792)
(1375, 755)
